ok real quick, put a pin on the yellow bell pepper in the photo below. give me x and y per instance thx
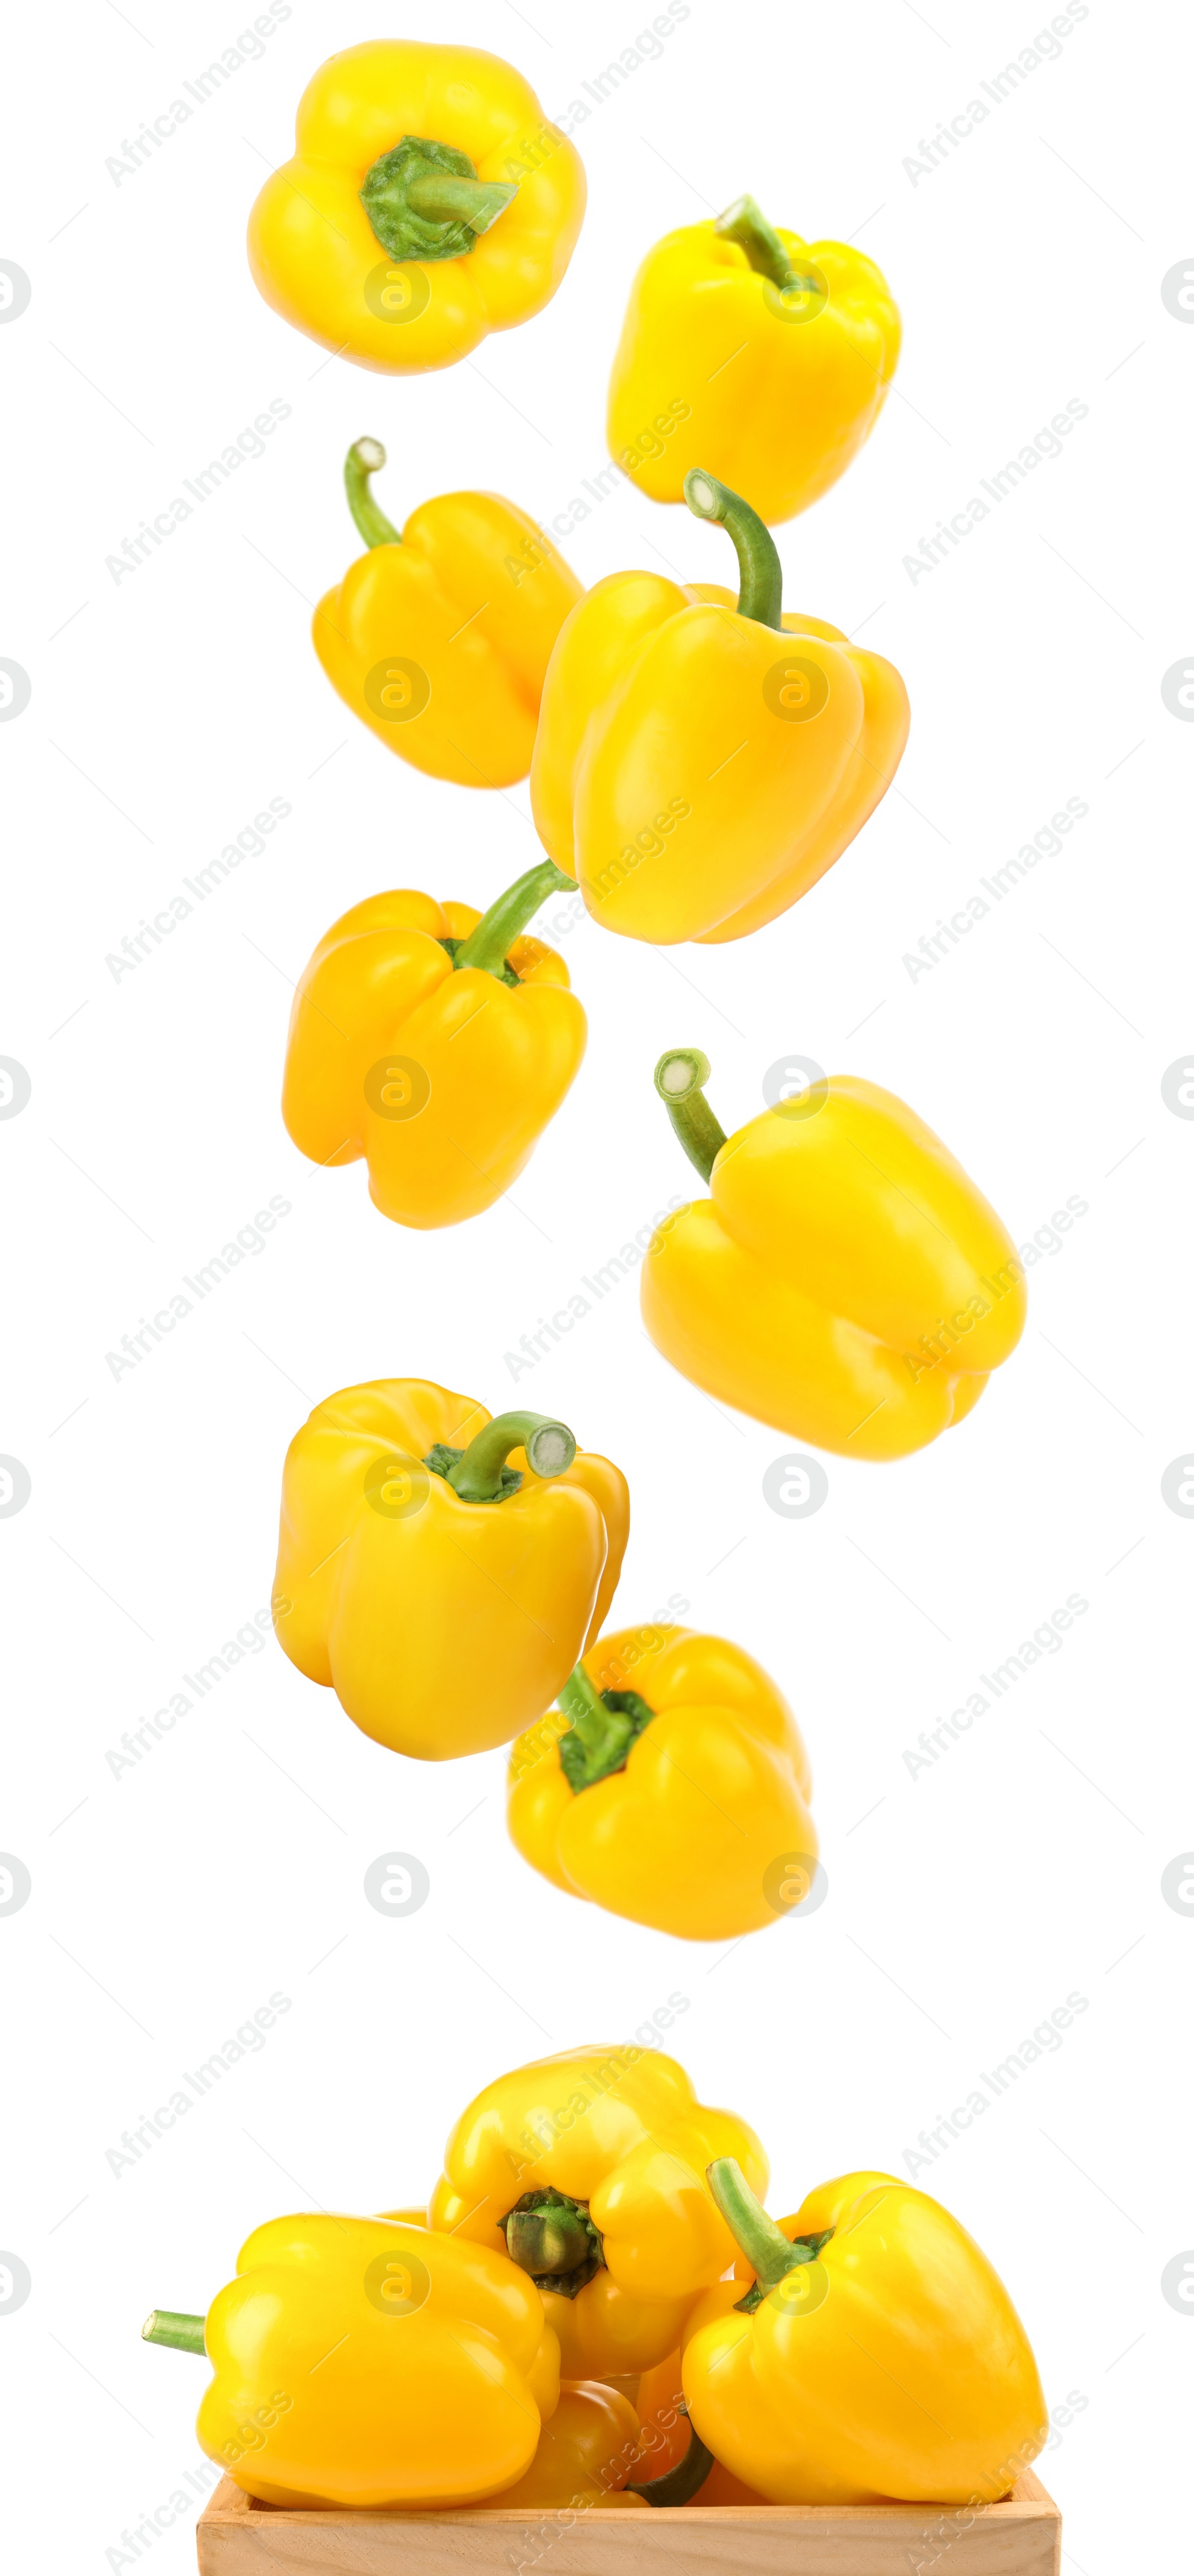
(585, 2453)
(439, 638)
(878, 2354)
(760, 356)
(699, 765)
(429, 201)
(441, 1593)
(589, 2170)
(362, 2363)
(437, 1043)
(681, 1802)
(846, 1282)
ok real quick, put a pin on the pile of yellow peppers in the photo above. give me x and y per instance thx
(593, 2268)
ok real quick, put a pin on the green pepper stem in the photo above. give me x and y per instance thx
(765, 2246)
(441, 199)
(678, 2485)
(509, 913)
(364, 458)
(550, 1448)
(760, 572)
(746, 224)
(679, 1076)
(581, 1700)
(169, 2325)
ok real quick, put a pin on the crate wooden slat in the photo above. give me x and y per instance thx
(1021, 2537)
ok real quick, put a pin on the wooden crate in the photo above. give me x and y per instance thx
(1021, 2537)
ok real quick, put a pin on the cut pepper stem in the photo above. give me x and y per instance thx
(679, 1077)
(169, 2325)
(760, 572)
(764, 2244)
(746, 224)
(497, 929)
(365, 457)
(425, 201)
(549, 1446)
(678, 2485)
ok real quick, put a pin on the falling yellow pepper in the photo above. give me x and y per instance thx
(439, 636)
(429, 201)
(443, 1594)
(761, 357)
(437, 1043)
(699, 763)
(681, 1802)
(845, 1282)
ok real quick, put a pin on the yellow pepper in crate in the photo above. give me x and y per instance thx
(437, 1043)
(681, 1802)
(443, 1594)
(699, 764)
(429, 201)
(876, 2355)
(588, 2169)
(362, 2363)
(845, 1282)
(585, 2454)
(439, 637)
(760, 356)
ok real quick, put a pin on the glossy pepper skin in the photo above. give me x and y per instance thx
(439, 638)
(428, 202)
(434, 1042)
(700, 764)
(358, 2362)
(589, 2168)
(585, 2454)
(887, 2361)
(679, 1798)
(760, 356)
(666, 2437)
(845, 1281)
(441, 1593)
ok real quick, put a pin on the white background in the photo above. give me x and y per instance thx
(964, 1902)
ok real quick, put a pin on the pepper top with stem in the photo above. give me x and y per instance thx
(488, 945)
(425, 201)
(760, 572)
(772, 2254)
(745, 223)
(479, 1474)
(365, 457)
(604, 1726)
(680, 1076)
